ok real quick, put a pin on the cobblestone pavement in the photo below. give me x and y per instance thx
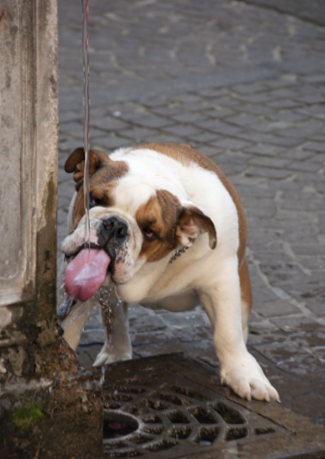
(246, 86)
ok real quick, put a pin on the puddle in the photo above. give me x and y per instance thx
(117, 425)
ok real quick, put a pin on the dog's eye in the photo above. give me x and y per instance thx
(149, 234)
(93, 202)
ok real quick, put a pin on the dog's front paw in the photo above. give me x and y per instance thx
(244, 375)
(107, 356)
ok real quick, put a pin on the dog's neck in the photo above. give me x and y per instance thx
(178, 253)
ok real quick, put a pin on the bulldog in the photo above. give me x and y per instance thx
(167, 231)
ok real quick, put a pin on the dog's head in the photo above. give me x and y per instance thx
(131, 221)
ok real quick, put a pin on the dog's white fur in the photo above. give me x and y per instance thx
(199, 276)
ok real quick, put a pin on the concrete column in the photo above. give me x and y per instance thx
(35, 363)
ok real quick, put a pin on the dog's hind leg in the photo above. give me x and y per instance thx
(246, 297)
(115, 317)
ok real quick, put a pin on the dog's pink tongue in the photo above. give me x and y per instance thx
(86, 273)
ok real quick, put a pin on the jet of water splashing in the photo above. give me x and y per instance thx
(85, 41)
(119, 299)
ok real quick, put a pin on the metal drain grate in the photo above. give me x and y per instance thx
(165, 407)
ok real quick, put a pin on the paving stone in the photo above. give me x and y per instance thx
(309, 404)
(217, 126)
(192, 333)
(277, 174)
(69, 144)
(281, 353)
(249, 88)
(232, 144)
(160, 137)
(306, 249)
(315, 146)
(208, 356)
(290, 324)
(137, 134)
(153, 122)
(90, 352)
(146, 323)
(276, 308)
(296, 154)
(189, 117)
(288, 116)
(284, 104)
(92, 337)
(313, 340)
(265, 150)
(274, 163)
(84, 359)
(210, 151)
(108, 124)
(219, 113)
(183, 130)
(288, 142)
(290, 388)
(307, 366)
(184, 320)
(148, 338)
(307, 166)
(109, 143)
(165, 347)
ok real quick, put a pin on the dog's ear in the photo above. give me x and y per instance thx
(191, 223)
(76, 163)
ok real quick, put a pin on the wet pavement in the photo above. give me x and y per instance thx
(246, 86)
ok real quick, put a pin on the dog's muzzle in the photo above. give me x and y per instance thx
(113, 230)
(112, 235)
(91, 263)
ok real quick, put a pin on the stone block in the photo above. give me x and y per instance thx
(276, 308)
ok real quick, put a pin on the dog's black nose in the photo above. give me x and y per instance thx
(114, 230)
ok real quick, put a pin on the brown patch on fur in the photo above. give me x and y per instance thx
(160, 214)
(246, 291)
(103, 174)
(185, 154)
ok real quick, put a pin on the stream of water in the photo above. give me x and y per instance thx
(85, 42)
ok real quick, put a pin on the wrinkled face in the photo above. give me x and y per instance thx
(130, 220)
(130, 239)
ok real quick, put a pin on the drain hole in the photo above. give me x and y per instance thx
(174, 399)
(117, 425)
(203, 415)
(134, 410)
(118, 397)
(156, 430)
(151, 420)
(236, 434)
(140, 439)
(115, 445)
(264, 430)
(153, 404)
(161, 445)
(132, 390)
(122, 454)
(135, 380)
(187, 391)
(180, 433)
(207, 435)
(177, 417)
(111, 405)
(230, 415)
